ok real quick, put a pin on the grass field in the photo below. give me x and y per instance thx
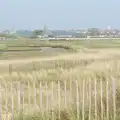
(83, 60)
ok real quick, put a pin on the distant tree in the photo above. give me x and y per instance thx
(38, 32)
(3, 35)
(51, 35)
(93, 32)
(8, 36)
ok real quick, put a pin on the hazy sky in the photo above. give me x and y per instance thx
(59, 14)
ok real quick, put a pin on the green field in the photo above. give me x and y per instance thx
(15, 49)
(80, 60)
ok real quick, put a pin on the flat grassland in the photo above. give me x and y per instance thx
(22, 60)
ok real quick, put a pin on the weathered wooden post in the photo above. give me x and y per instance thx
(90, 99)
(101, 94)
(114, 96)
(77, 100)
(59, 99)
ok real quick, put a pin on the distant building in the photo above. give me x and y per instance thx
(64, 36)
(3, 38)
(39, 36)
(45, 30)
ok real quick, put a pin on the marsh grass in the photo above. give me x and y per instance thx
(99, 65)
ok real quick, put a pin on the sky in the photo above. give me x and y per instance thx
(59, 14)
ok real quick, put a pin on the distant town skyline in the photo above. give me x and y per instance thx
(58, 14)
(47, 28)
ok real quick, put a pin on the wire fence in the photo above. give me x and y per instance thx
(93, 99)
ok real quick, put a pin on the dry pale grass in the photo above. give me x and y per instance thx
(85, 65)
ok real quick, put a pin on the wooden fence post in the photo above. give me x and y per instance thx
(90, 99)
(83, 108)
(19, 97)
(6, 102)
(70, 91)
(29, 97)
(34, 88)
(101, 94)
(107, 98)
(46, 87)
(40, 96)
(59, 99)
(12, 101)
(114, 96)
(52, 100)
(77, 102)
(33, 67)
(10, 69)
(65, 94)
(95, 90)
(23, 98)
